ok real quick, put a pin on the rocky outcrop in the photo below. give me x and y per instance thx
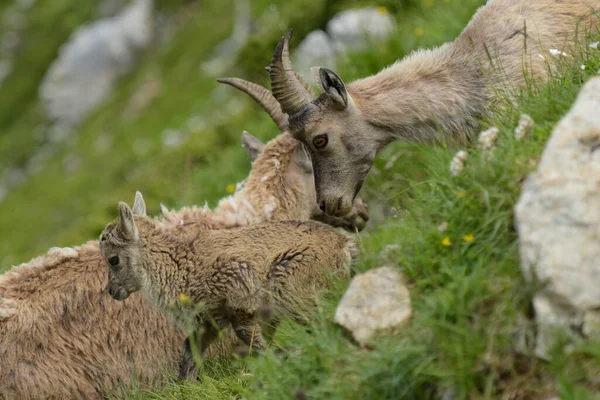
(350, 30)
(90, 63)
(558, 220)
(376, 301)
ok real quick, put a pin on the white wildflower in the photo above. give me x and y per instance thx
(556, 52)
(582, 67)
(541, 56)
(594, 45)
(525, 125)
(458, 162)
(488, 137)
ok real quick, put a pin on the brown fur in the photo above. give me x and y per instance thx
(430, 95)
(62, 336)
(231, 272)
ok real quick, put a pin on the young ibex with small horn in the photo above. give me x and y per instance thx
(231, 272)
(63, 336)
(428, 96)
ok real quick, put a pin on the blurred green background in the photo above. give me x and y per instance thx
(170, 130)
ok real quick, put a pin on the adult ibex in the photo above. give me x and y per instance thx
(430, 95)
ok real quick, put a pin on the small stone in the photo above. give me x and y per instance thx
(376, 300)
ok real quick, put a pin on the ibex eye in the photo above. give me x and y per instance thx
(114, 260)
(320, 141)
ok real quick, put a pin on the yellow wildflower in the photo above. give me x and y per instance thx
(230, 188)
(382, 10)
(460, 194)
(419, 31)
(183, 297)
(446, 242)
(468, 238)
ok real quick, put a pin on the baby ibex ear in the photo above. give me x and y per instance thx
(331, 84)
(252, 145)
(139, 205)
(126, 223)
(302, 157)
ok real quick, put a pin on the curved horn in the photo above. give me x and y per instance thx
(263, 97)
(285, 85)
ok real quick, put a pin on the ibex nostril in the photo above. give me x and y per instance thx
(322, 205)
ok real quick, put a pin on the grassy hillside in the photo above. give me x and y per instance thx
(472, 331)
(472, 328)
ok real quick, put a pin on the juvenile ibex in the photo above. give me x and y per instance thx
(63, 336)
(428, 96)
(231, 272)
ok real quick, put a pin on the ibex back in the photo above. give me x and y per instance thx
(431, 95)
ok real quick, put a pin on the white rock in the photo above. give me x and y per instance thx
(376, 301)
(558, 220)
(316, 49)
(357, 29)
(92, 60)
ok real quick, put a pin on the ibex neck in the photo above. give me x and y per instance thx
(428, 96)
(166, 268)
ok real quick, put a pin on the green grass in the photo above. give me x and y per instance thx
(471, 303)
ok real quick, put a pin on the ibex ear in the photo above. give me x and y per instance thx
(252, 145)
(126, 223)
(139, 205)
(302, 157)
(331, 84)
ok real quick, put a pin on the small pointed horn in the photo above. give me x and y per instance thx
(285, 85)
(263, 97)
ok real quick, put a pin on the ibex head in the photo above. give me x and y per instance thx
(330, 126)
(298, 170)
(119, 246)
